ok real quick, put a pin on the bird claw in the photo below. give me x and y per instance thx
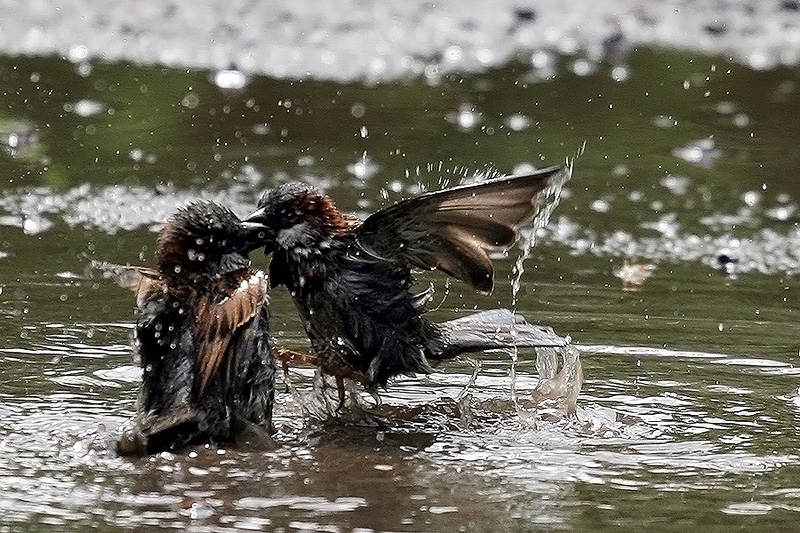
(340, 372)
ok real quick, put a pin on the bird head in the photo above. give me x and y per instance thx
(205, 238)
(297, 217)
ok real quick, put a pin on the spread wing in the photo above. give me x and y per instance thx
(452, 229)
(148, 284)
(219, 321)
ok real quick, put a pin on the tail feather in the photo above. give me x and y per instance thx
(492, 330)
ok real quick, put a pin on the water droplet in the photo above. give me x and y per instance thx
(703, 152)
(358, 110)
(77, 53)
(230, 79)
(518, 122)
(583, 67)
(466, 117)
(190, 101)
(364, 168)
(751, 198)
(85, 108)
(601, 206)
(620, 73)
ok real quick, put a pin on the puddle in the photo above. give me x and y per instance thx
(688, 406)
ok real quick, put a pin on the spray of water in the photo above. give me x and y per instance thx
(476, 368)
(559, 387)
(562, 386)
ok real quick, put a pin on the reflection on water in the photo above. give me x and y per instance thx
(688, 411)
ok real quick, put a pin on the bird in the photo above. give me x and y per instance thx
(208, 371)
(352, 280)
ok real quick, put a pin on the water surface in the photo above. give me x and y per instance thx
(688, 414)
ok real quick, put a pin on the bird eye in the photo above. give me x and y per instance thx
(177, 269)
(261, 234)
(199, 242)
(201, 257)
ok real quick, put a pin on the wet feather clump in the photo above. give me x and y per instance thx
(352, 280)
(203, 336)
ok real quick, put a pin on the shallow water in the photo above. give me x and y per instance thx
(688, 414)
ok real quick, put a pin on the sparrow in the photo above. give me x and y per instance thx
(351, 280)
(202, 341)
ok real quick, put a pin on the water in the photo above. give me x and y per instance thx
(688, 415)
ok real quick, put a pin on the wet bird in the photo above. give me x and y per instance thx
(352, 281)
(203, 338)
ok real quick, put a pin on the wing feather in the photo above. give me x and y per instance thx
(218, 322)
(459, 258)
(148, 284)
(452, 229)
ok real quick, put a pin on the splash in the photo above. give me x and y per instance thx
(561, 386)
(548, 199)
(322, 401)
(476, 369)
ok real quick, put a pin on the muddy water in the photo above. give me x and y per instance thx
(688, 415)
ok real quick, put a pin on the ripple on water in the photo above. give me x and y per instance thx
(430, 439)
(341, 504)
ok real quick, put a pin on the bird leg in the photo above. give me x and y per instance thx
(340, 372)
(286, 356)
(340, 390)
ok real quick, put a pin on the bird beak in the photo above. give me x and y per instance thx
(255, 215)
(259, 234)
(253, 226)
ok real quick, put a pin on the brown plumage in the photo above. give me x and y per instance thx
(203, 339)
(452, 229)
